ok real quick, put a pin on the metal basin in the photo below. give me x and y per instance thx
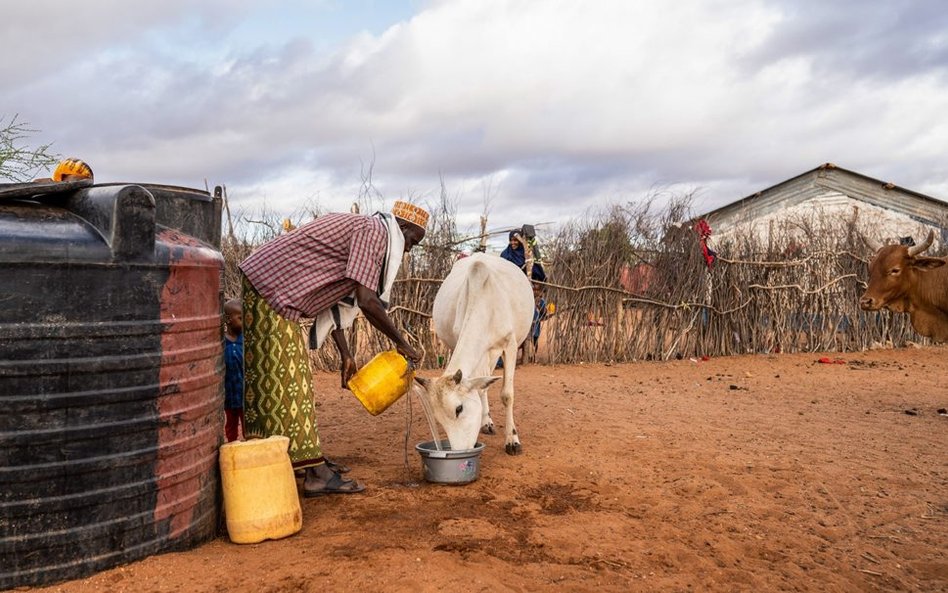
(447, 466)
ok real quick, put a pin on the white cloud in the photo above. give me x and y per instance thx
(557, 105)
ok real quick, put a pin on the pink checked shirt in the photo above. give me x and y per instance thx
(302, 273)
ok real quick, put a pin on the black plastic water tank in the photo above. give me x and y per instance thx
(111, 376)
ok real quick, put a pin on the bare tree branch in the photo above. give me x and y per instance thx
(19, 162)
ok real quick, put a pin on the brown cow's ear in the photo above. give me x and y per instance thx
(927, 263)
(422, 381)
(457, 377)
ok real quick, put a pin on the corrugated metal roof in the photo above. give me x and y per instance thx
(826, 181)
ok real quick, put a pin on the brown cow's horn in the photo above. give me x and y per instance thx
(873, 244)
(457, 376)
(919, 249)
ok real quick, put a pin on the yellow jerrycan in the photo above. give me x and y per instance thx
(382, 381)
(260, 498)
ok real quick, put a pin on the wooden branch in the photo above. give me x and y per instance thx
(416, 312)
(262, 222)
(793, 262)
(800, 288)
(423, 280)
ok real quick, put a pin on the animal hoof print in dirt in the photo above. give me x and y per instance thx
(514, 449)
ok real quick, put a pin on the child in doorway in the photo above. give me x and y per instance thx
(233, 369)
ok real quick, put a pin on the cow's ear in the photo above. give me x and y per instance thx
(422, 381)
(928, 263)
(457, 377)
(481, 382)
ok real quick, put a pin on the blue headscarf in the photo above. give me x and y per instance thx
(518, 257)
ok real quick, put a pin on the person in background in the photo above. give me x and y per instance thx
(541, 312)
(329, 269)
(233, 369)
(514, 253)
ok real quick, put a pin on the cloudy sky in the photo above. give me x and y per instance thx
(543, 109)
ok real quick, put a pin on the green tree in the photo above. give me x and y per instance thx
(18, 161)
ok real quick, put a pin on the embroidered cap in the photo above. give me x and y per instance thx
(72, 166)
(411, 213)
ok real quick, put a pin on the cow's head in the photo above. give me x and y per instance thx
(456, 404)
(893, 275)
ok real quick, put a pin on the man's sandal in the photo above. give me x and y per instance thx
(336, 485)
(337, 467)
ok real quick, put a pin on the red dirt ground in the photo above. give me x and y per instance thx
(751, 473)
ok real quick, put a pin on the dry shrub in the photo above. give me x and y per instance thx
(796, 290)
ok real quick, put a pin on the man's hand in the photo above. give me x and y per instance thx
(409, 353)
(374, 311)
(348, 370)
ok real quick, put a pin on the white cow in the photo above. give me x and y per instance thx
(483, 309)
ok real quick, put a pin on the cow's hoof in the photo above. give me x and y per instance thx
(488, 429)
(514, 449)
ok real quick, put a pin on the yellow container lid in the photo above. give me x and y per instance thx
(382, 381)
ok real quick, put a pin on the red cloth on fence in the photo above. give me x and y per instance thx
(704, 232)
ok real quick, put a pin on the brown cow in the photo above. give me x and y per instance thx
(902, 280)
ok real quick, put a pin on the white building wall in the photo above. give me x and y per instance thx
(826, 210)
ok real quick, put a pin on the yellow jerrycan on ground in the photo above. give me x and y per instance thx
(382, 381)
(260, 498)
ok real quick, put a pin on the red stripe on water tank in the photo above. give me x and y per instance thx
(190, 402)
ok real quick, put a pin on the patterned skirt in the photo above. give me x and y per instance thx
(278, 382)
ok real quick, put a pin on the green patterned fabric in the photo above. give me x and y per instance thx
(278, 382)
